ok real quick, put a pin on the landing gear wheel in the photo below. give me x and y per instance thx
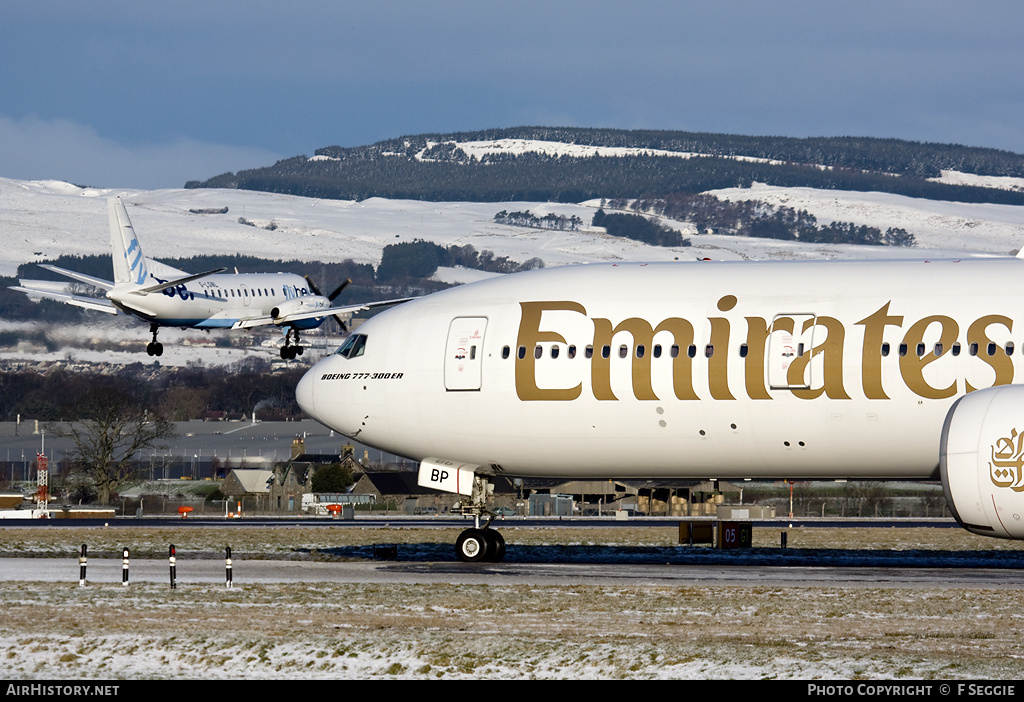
(473, 545)
(495, 546)
(289, 351)
(154, 348)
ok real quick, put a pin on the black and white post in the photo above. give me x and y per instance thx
(81, 567)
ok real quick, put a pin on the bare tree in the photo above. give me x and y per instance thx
(114, 427)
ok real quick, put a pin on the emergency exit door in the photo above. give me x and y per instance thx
(463, 362)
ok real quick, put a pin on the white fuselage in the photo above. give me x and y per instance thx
(216, 301)
(703, 369)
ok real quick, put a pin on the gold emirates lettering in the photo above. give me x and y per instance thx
(828, 336)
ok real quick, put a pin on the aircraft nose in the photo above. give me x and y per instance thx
(304, 393)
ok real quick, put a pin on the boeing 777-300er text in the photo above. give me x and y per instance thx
(731, 370)
(166, 296)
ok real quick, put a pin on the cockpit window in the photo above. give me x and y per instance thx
(354, 346)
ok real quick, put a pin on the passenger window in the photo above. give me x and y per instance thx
(538, 351)
(903, 349)
(974, 349)
(505, 352)
(691, 351)
(571, 351)
(640, 351)
(920, 350)
(709, 351)
(623, 351)
(956, 349)
(657, 350)
(606, 351)
(522, 352)
(885, 349)
(743, 350)
(938, 349)
(589, 352)
(991, 349)
(1009, 348)
(554, 351)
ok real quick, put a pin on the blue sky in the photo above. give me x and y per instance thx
(118, 93)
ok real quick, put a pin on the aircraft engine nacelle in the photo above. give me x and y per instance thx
(298, 305)
(981, 461)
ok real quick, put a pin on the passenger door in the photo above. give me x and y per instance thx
(463, 362)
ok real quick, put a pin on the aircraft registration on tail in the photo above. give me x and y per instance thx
(166, 296)
(731, 370)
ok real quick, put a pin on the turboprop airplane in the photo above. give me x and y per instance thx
(166, 296)
(730, 370)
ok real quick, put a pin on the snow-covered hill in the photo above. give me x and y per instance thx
(43, 219)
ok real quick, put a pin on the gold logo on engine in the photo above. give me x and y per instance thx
(1006, 468)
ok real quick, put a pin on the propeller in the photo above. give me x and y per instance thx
(330, 298)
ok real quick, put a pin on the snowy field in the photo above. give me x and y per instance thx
(428, 629)
(44, 219)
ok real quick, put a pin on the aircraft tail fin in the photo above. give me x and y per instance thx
(129, 263)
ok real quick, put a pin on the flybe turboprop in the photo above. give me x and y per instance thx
(166, 296)
(731, 370)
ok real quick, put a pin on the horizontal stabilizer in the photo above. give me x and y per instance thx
(80, 277)
(89, 303)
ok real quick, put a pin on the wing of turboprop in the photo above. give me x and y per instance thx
(158, 287)
(284, 320)
(90, 303)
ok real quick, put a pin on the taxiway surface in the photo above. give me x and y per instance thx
(213, 572)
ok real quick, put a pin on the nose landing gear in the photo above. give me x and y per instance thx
(480, 544)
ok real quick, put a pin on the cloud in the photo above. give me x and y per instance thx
(58, 149)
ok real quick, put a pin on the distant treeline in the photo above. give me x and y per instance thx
(421, 259)
(177, 393)
(639, 229)
(548, 221)
(432, 167)
(709, 214)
